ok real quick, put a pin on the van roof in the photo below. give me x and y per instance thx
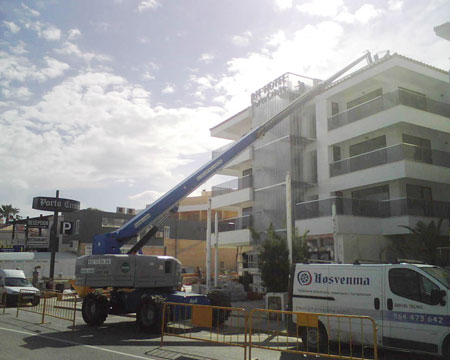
(12, 273)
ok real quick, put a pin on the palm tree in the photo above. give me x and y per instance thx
(7, 210)
(428, 237)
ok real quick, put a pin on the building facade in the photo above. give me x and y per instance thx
(366, 157)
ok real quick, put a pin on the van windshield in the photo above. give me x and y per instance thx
(17, 282)
(442, 275)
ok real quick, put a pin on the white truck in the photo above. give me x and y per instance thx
(409, 303)
(13, 282)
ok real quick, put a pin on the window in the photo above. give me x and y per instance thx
(166, 231)
(336, 153)
(367, 146)
(112, 223)
(419, 200)
(167, 267)
(420, 149)
(412, 98)
(411, 285)
(77, 227)
(334, 108)
(365, 98)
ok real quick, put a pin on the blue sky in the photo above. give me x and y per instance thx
(111, 102)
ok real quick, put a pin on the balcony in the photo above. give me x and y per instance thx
(388, 155)
(235, 232)
(373, 208)
(232, 185)
(387, 101)
(238, 223)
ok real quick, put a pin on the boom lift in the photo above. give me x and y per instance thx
(141, 283)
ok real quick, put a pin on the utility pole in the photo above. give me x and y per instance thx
(208, 247)
(53, 243)
(289, 227)
(216, 248)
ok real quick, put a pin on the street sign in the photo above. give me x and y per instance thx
(55, 204)
(66, 227)
(38, 223)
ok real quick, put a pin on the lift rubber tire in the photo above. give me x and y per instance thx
(310, 336)
(149, 315)
(219, 298)
(94, 309)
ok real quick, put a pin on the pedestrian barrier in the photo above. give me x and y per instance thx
(214, 324)
(3, 301)
(328, 335)
(48, 303)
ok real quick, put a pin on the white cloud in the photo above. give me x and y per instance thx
(19, 68)
(242, 40)
(206, 58)
(324, 8)
(73, 34)
(395, 5)
(12, 26)
(168, 89)
(19, 49)
(337, 10)
(283, 4)
(72, 49)
(30, 11)
(149, 196)
(20, 93)
(96, 128)
(148, 5)
(50, 33)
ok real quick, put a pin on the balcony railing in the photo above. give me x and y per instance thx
(238, 223)
(232, 185)
(388, 155)
(373, 208)
(387, 101)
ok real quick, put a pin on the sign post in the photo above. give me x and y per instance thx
(56, 205)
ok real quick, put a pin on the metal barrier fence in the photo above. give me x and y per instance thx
(214, 324)
(328, 335)
(4, 300)
(49, 303)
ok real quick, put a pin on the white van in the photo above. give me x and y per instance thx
(14, 281)
(410, 304)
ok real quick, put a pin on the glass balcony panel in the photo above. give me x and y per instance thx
(373, 208)
(390, 154)
(232, 185)
(239, 223)
(387, 101)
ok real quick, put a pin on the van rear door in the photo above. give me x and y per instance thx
(412, 320)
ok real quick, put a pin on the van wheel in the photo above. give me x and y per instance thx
(315, 339)
(446, 348)
(94, 309)
(36, 300)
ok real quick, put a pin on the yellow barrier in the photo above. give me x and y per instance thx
(214, 324)
(4, 301)
(53, 304)
(329, 335)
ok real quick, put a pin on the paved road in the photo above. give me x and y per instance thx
(25, 338)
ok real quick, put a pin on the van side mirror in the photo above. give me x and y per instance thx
(437, 297)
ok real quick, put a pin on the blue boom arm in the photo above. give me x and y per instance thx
(148, 219)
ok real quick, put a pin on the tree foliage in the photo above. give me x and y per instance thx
(428, 239)
(7, 211)
(274, 259)
(274, 262)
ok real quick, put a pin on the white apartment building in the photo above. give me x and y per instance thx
(368, 155)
